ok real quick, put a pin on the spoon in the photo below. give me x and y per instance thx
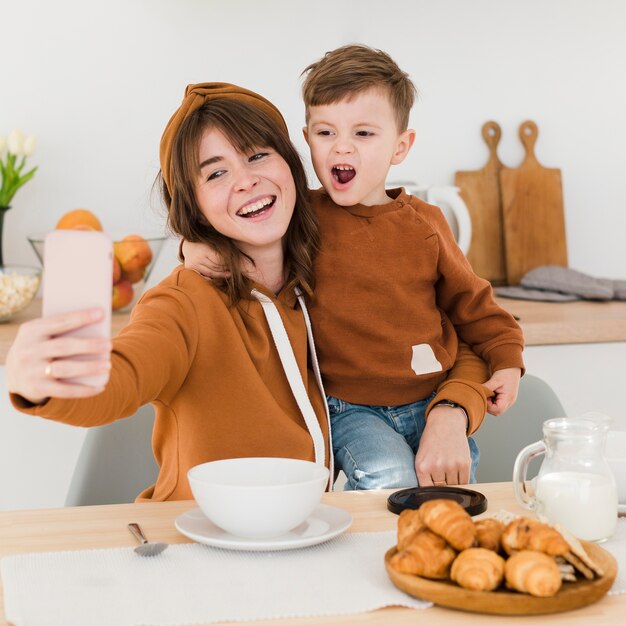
(146, 548)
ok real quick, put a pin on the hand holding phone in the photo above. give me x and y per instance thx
(78, 269)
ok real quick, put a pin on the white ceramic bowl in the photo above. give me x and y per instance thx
(616, 456)
(258, 498)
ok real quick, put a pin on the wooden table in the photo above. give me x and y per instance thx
(105, 526)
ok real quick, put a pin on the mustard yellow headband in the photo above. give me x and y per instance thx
(195, 97)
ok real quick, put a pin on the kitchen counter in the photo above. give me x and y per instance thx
(9, 329)
(543, 323)
(560, 323)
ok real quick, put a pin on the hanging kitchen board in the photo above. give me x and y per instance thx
(532, 212)
(480, 189)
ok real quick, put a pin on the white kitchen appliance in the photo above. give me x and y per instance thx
(448, 199)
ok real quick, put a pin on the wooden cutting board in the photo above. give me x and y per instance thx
(532, 212)
(480, 189)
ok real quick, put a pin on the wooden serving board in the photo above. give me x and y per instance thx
(480, 189)
(532, 212)
(572, 595)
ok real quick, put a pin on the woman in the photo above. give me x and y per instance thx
(204, 354)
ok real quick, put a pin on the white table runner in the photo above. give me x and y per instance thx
(616, 545)
(195, 584)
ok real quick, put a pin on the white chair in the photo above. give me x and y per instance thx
(501, 438)
(115, 463)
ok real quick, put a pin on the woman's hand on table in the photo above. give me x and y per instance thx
(39, 358)
(443, 455)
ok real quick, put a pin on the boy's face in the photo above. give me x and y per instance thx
(353, 144)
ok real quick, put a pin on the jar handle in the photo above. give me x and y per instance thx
(520, 470)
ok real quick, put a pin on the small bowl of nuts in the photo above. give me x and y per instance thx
(18, 287)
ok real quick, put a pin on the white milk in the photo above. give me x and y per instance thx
(585, 504)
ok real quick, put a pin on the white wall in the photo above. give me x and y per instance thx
(97, 81)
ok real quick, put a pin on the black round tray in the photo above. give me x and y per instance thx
(413, 497)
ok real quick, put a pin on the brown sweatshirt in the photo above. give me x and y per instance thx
(394, 293)
(213, 375)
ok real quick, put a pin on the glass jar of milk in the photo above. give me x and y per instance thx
(575, 486)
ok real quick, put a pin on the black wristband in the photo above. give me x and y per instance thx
(453, 405)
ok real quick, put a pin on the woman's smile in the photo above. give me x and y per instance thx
(257, 208)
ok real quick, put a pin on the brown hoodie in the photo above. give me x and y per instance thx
(213, 375)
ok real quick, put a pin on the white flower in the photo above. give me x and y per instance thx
(30, 143)
(15, 142)
(13, 164)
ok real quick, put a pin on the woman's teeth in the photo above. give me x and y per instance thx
(343, 173)
(256, 207)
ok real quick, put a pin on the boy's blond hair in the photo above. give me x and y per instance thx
(344, 72)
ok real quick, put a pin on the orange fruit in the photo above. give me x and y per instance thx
(122, 295)
(117, 270)
(133, 252)
(79, 219)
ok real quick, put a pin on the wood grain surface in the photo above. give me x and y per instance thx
(480, 189)
(93, 527)
(532, 210)
(572, 595)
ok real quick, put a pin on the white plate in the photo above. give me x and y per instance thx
(323, 524)
(621, 508)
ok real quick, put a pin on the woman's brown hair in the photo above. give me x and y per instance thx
(247, 128)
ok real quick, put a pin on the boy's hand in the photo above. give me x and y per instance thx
(505, 385)
(201, 258)
(443, 455)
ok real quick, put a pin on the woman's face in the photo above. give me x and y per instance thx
(249, 198)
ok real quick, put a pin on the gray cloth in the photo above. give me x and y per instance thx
(620, 289)
(521, 293)
(569, 281)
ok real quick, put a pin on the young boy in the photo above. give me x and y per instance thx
(394, 293)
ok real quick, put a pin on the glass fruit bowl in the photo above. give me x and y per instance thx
(18, 287)
(134, 257)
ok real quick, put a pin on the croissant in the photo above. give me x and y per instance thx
(532, 572)
(478, 569)
(427, 554)
(451, 521)
(524, 533)
(409, 522)
(489, 533)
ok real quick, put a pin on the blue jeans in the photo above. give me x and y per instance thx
(375, 446)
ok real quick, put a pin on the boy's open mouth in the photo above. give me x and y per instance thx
(343, 173)
(257, 208)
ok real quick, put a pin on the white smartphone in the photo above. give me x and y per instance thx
(78, 274)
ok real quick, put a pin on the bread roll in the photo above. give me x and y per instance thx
(489, 534)
(528, 534)
(449, 520)
(426, 554)
(409, 522)
(478, 569)
(532, 572)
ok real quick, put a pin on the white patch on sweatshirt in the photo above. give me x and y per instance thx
(424, 360)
